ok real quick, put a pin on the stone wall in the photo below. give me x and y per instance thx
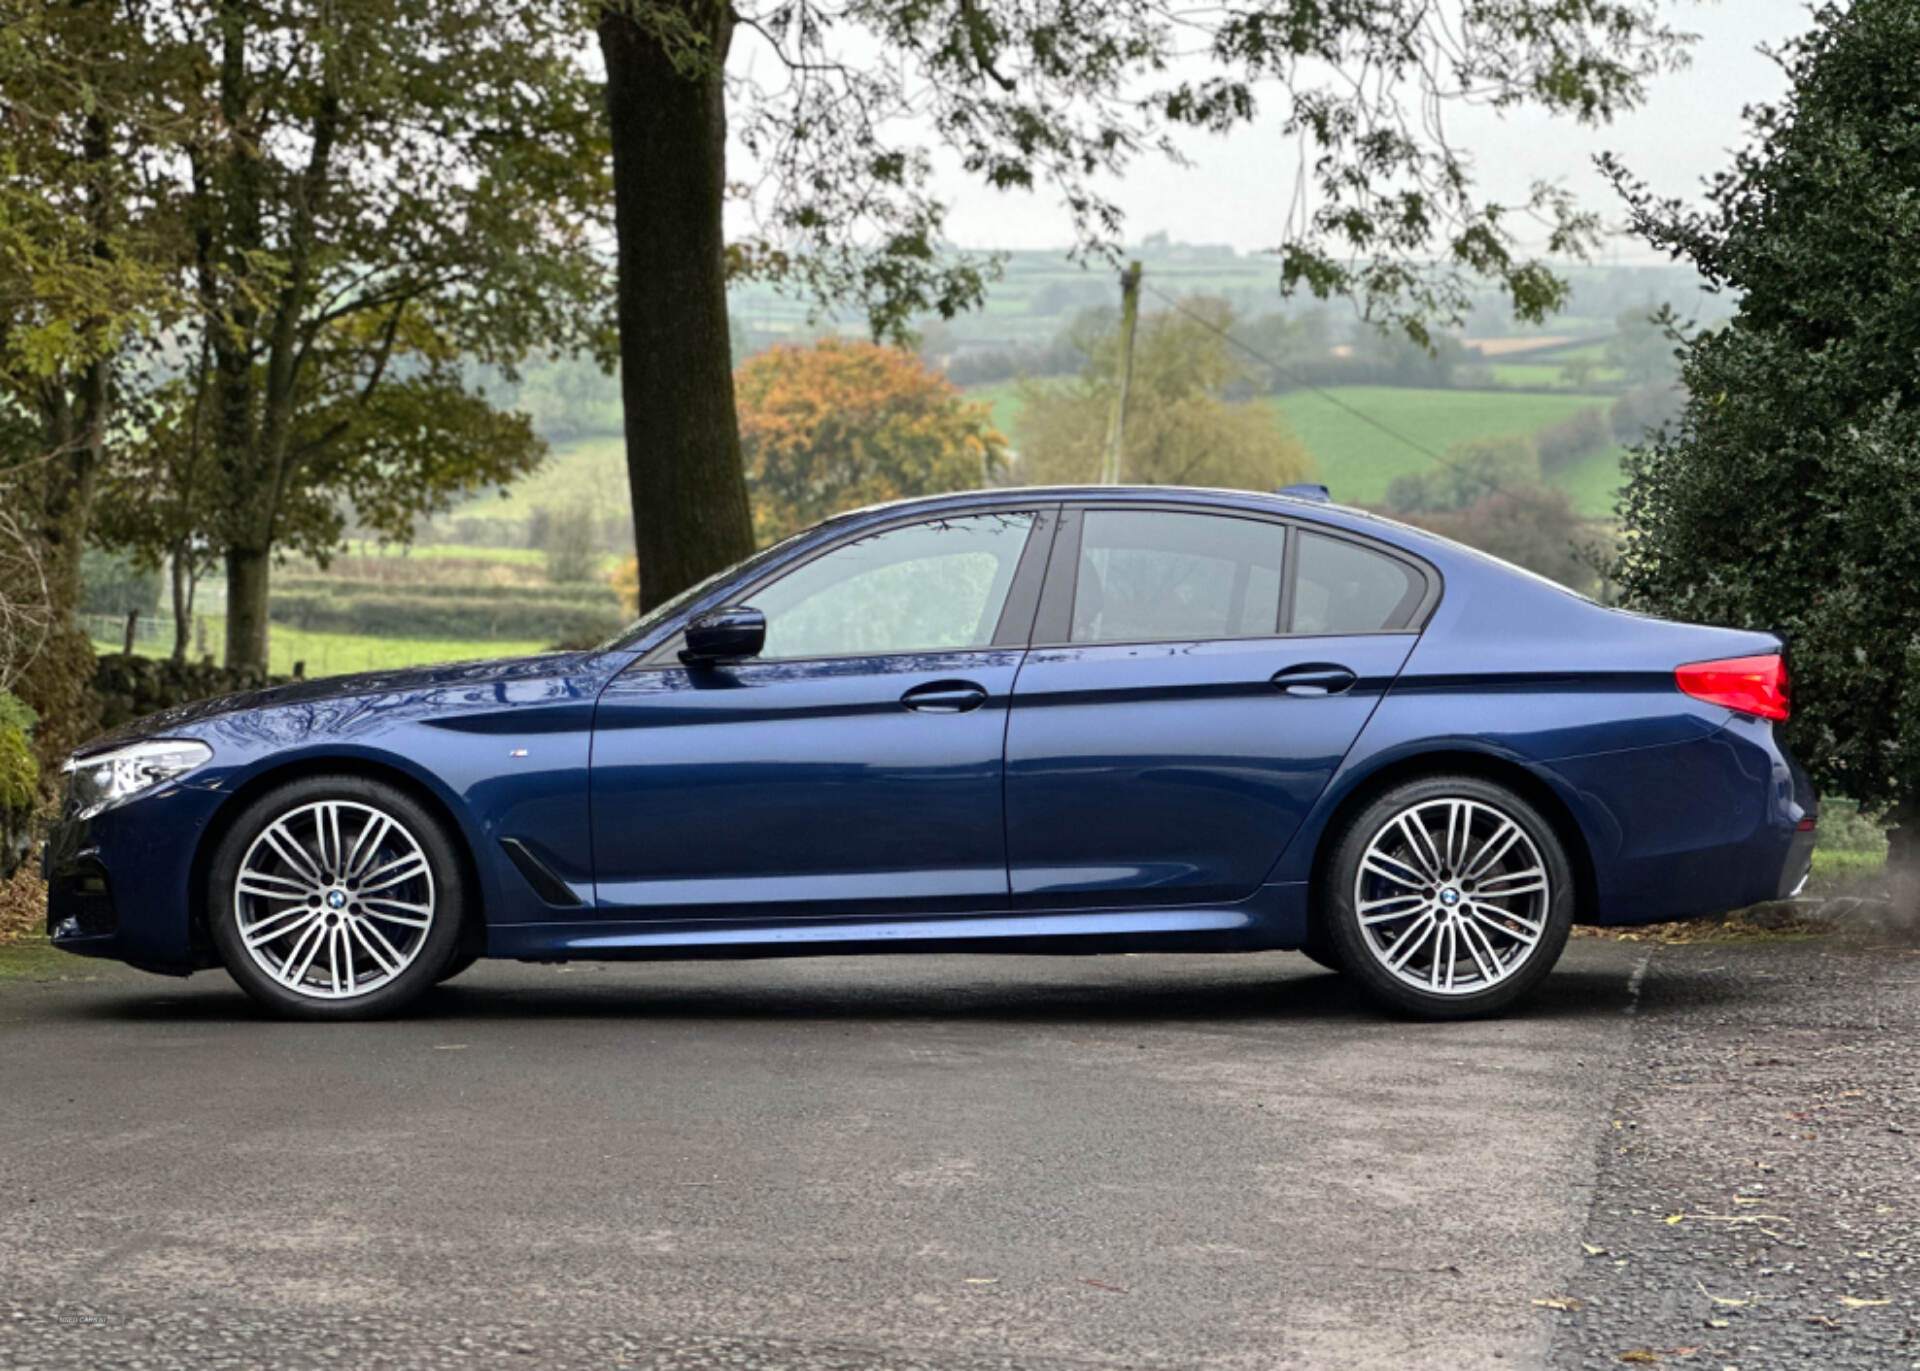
(132, 687)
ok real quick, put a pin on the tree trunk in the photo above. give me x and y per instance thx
(58, 679)
(182, 603)
(229, 218)
(247, 607)
(669, 131)
(1903, 859)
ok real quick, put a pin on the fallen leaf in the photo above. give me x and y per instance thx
(1565, 1303)
(1852, 1303)
(1747, 1199)
(1640, 1355)
(983, 1280)
(1822, 1321)
(1721, 1299)
(449, 1047)
(1102, 1285)
(1716, 1323)
(1593, 1250)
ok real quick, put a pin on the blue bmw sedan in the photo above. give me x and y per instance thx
(1069, 720)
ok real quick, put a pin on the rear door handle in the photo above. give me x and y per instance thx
(945, 697)
(1314, 678)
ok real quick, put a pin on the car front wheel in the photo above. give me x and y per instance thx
(335, 898)
(1448, 897)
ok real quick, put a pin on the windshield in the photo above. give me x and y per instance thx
(666, 609)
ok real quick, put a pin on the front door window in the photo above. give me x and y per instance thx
(933, 587)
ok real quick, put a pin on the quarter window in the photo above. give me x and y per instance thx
(932, 587)
(1153, 575)
(1340, 587)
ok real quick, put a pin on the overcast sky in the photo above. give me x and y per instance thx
(1237, 187)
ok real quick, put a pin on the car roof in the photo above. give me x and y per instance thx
(1301, 507)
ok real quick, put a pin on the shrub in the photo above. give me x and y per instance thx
(19, 784)
(1636, 415)
(447, 616)
(1580, 434)
(571, 542)
(134, 687)
(594, 593)
(1472, 470)
(113, 585)
(1528, 525)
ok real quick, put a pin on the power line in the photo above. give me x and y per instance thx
(1492, 485)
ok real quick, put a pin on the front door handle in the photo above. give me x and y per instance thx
(1314, 678)
(945, 697)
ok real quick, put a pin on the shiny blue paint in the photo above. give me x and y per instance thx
(800, 789)
(1098, 798)
(1164, 773)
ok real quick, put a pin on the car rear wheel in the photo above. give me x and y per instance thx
(1448, 897)
(335, 897)
(462, 962)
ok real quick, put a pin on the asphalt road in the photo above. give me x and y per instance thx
(941, 1162)
(949, 1163)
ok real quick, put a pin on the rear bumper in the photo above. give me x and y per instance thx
(1694, 829)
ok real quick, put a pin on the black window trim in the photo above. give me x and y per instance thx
(1013, 630)
(1053, 624)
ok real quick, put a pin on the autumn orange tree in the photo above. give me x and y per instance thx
(836, 424)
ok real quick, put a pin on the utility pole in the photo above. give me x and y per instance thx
(1117, 423)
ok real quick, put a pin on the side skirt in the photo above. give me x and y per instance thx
(1273, 917)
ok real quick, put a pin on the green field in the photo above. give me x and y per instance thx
(451, 552)
(337, 654)
(1593, 482)
(1357, 460)
(1003, 398)
(590, 472)
(1547, 374)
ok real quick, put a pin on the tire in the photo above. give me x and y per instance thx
(1319, 949)
(336, 897)
(462, 962)
(1487, 900)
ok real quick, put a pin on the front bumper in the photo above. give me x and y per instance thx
(120, 884)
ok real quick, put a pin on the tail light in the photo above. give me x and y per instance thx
(1752, 685)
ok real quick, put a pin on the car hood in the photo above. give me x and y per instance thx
(405, 681)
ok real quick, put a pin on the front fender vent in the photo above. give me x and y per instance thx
(546, 885)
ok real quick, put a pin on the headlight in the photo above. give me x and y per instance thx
(110, 778)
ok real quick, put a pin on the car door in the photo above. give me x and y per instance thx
(854, 766)
(1195, 678)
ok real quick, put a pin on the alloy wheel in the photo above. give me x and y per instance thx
(1452, 896)
(334, 899)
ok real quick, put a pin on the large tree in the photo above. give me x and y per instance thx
(1787, 494)
(81, 235)
(839, 424)
(837, 103)
(378, 192)
(344, 213)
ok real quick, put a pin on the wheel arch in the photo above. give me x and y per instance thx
(1453, 762)
(473, 913)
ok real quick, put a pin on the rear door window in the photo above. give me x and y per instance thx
(1340, 587)
(1161, 575)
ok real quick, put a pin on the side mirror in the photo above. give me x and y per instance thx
(725, 635)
